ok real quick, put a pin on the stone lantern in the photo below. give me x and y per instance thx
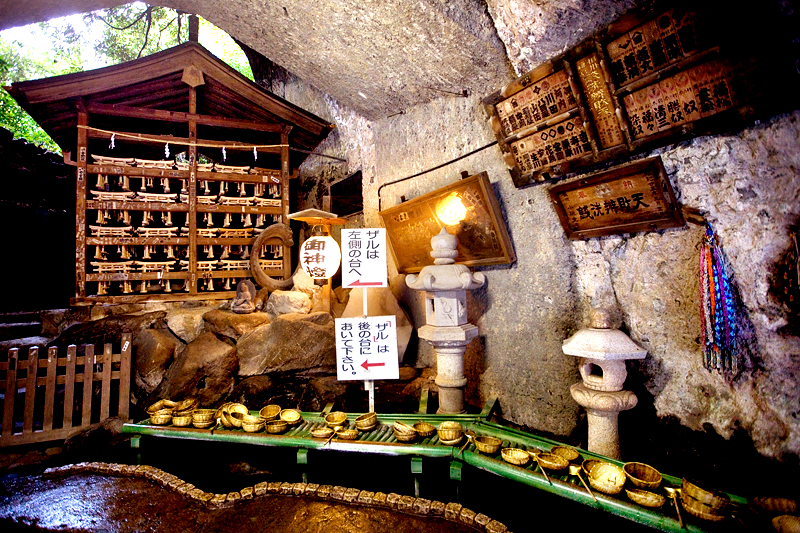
(446, 329)
(602, 353)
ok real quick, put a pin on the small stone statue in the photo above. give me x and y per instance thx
(244, 302)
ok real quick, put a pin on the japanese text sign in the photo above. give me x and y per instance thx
(366, 348)
(364, 258)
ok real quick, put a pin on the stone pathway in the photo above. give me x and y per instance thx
(123, 498)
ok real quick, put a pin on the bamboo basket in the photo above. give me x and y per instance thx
(291, 416)
(161, 419)
(160, 405)
(703, 503)
(405, 437)
(276, 426)
(488, 445)
(347, 434)
(645, 497)
(321, 433)
(567, 452)
(551, 461)
(424, 429)
(588, 464)
(607, 478)
(450, 431)
(189, 404)
(270, 412)
(774, 505)
(231, 410)
(366, 421)
(203, 416)
(642, 475)
(515, 456)
(400, 427)
(182, 421)
(336, 419)
(253, 426)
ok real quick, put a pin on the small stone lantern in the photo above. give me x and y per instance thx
(602, 353)
(445, 285)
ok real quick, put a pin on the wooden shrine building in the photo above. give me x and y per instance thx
(181, 162)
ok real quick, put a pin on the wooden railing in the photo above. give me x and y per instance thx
(35, 398)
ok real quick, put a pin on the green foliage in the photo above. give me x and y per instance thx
(127, 32)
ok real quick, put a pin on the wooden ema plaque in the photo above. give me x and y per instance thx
(658, 75)
(626, 199)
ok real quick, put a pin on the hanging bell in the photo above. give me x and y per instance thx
(170, 252)
(227, 222)
(225, 251)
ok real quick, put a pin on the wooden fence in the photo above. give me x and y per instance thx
(49, 404)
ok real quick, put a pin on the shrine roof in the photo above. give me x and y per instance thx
(151, 95)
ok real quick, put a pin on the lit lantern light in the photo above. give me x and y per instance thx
(320, 256)
(451, 210)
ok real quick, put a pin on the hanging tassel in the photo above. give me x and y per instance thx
(224, 154)
(113, 136)
(255, 154)
(721, 346)
(166, 151)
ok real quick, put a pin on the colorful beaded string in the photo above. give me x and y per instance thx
(719, 331)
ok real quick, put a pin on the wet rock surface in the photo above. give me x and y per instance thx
(87, 502)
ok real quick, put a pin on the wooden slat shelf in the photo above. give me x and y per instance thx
(242, 209)
(137, 206)
(137, 172)
(134, 241)
(137, 276)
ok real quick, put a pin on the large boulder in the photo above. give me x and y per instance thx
(233, 325)
(305, 284)
(382, 302)
(255, 392)
(204, 369)
(107, 330)
(326, 389)
(292, 342)
(288, 302)
(153, 350)
(187, 323)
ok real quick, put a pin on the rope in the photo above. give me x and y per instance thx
(156, 139)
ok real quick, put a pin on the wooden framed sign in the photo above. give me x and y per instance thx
(625, 199)
(467, 208)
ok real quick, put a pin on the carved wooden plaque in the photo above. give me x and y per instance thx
(625, 199)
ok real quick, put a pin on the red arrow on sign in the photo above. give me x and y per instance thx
(366, 364)
(360, 283)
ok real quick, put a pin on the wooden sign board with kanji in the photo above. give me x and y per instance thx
(665, 72)
(625, 199)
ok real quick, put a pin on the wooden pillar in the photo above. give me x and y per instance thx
(287, 253)
(194, 29)
(80, 202)
(192, 213)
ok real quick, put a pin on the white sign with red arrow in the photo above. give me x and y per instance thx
(364, 258)
(366, 348)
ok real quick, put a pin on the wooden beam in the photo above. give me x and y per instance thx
(184, 141)
(119, 110)
(192, 193)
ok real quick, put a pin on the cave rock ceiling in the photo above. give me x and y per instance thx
(377, 57)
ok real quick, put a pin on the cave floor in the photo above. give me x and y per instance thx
(88, 502)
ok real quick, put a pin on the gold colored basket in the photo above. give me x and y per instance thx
(161, 419)
(515, 456)
(366, 421)
(551, 461)
(291, 416)
(588, 464)
(251, 426)
(707, 504)
(234, 409)
(189, 404)
(347, 434)
(645, 497)
(424, 429)
(405, 437)
(269, 412)
(203, 425)
(203, 416)
(607, 478)
(450, 431)
(567, 452)
(336, 419)
(400, 427)
(276, 426)
(642, 475)
(182, 421)
(322, 433)
(488, 445)
(160, 405)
